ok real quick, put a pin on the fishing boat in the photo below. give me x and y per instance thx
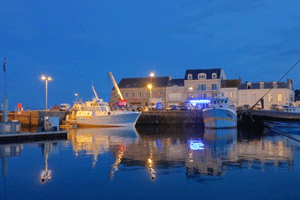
(97, 113)
(220, 114)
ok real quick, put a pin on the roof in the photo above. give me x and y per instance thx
(267, 85)
(208, 73)
(231, 83)
(178, 82)
(143, 82)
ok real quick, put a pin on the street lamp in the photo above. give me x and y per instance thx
(149, 87)
(46, 78)
(151, 76)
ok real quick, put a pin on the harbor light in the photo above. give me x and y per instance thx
(46, 78)
(150, 87)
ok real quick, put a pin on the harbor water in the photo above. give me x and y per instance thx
(154, 163)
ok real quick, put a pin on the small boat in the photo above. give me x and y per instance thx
(220, 114)
(290, 108)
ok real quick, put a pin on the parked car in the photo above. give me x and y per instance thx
(172, 107)
(274, 107)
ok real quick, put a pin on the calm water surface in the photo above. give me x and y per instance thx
(154, 163)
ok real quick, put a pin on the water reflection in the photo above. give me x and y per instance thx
(46, 174)
(96, 141)
(212, 153)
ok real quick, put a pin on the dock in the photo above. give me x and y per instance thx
(30, 137)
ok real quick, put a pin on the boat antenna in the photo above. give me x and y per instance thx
(275, 84)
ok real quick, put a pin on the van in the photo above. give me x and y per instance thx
(64, 107)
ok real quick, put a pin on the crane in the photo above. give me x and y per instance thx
(122, 101)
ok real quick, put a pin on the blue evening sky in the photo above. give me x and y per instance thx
(78, 42)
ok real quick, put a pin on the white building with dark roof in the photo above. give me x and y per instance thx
(203, 83)
(282, 93)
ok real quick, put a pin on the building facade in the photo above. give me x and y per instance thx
(203, 83)
(282, 93)
(137, 91)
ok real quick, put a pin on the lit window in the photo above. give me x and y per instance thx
(230, 95)
(279, 97)
(270, 97)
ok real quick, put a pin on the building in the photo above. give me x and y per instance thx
(137, 92)
(203, 83)
(229, 88)
(250, 93)
(175, 91)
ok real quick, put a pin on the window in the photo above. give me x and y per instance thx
(201, 87)
(253, 98)
(190, 76)
(270, 98)
(126, 95)
(244, 98)
(279, 97)
(139, 95)
(230, 95)
(261, 85)
(161, 94)
(214, 75)
(174, 88)
(201, 76)
(132, 95)
(248, 85)
(213, 86)
(146, 94)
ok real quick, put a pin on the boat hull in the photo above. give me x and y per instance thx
(219, 118)
(112, 120)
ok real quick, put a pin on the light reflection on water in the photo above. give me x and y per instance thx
(176, 157)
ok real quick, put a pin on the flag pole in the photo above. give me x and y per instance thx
(5, 101)
(4, 69)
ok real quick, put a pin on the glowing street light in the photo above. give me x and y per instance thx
(149, 87)
(151, 76)
(46, 78)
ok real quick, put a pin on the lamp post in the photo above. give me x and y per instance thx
(46, 78)
(151, 76)
(150, 87)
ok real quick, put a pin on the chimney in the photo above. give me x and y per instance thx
(170, 78)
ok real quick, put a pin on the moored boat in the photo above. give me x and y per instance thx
(97, 113)
(220, 114)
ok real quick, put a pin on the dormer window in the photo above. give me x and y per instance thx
(201, 76)
(248, 85)
(261, 85)
(214, 75)
(190, 77)
(274, 84)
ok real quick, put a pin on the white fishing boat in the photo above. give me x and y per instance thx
(220, 114)
(97, 113)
